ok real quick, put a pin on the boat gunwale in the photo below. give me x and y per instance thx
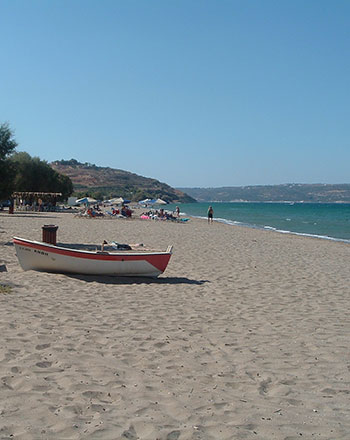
(80, 253)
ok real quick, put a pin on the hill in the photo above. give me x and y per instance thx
(105, 182)
(319, 193)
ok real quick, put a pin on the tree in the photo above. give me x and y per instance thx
(7, 147)
(7, 143)
(36, 175)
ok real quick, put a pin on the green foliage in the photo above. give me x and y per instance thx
(74, 164)
(7, 174)
(7, 142)
(65, 186)
(21, 172)
(35, 175)
(134, 194)
(5, 289)
(7, 147)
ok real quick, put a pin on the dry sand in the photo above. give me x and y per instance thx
(245, 336)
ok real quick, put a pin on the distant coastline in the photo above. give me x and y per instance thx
(290, 202)
(285, 193)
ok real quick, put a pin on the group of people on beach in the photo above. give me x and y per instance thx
(161, 214)
(125, 211)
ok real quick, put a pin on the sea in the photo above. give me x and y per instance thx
(329, 221)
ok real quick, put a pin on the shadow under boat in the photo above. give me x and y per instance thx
(135, 280)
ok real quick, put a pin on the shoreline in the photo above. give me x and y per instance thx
(272, 229)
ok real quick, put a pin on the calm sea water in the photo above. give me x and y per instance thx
(324, 220)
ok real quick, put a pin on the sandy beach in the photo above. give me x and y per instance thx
(245, 336)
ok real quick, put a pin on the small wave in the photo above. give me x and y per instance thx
(199, 216)
(305, 234)
(324, 237)
(271, 228)
(228, 222)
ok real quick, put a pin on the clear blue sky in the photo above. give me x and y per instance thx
(190, 92)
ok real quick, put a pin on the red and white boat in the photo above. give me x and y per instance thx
(35, 255)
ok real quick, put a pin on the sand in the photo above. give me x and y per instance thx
(245, 336)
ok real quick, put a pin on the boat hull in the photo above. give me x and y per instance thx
(33, 255)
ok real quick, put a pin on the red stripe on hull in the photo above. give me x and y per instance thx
(159, 261)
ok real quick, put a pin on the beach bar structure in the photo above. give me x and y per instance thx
(34, 199)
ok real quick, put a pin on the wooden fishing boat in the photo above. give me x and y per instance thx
(45, 257)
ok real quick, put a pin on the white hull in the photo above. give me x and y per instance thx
(33, 255)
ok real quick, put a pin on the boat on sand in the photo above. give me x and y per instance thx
(45, 257)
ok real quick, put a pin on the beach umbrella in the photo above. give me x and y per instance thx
(156, 202)
(86, 200)
(117, 201)
(145, 202)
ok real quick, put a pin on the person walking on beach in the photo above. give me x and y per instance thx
(210, 214)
